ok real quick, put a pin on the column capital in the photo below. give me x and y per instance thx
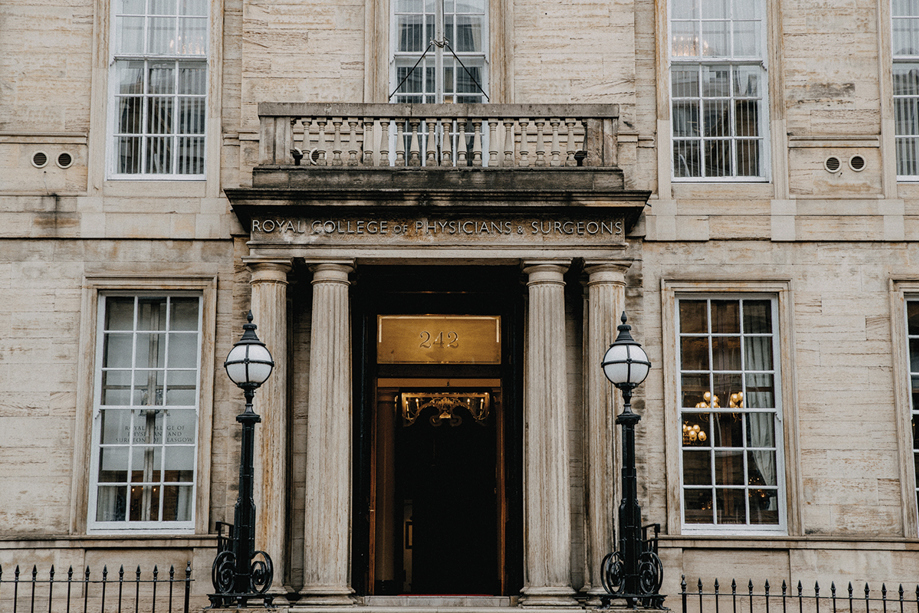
(332, 272)
(606, 272)
(545, 271)
(268, 270)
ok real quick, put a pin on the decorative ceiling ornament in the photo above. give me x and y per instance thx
(445, 405)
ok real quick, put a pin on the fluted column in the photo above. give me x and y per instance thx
(269, 311)
(547, 495)
(605, 300)
(327, 534)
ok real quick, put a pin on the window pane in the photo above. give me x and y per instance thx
(684, 9)
(129, 35)
(128, 157)
(694, 353)
(912, 314)
(180, 430)
(193, 7)
(182, 390)
(685, 82)
(725, 386)
(761, 467)
(145, 503)
(760, 392)
(118, 349)
(718, 159)
(161, 36)
(111, 503)
(685, 41)
(694, 387)
(130, 115)
(697, 468)
(411, 33)
(696, 430)
(146, 464)
(113, 465)
(726, 352)
(693, 316)
(192, 37)
(716, 9)
(746, 39)
(715, 38)
(729, 468)
(148, 388)
(686, 159)
(731, 506)
(758, 352)
(760, 432)
(698, 507)
(177, 503)
(116, 388)
(725, 317)
(469, 33)
(686, 118)
(150, 351)
(757, 317)
(116, 427)
(183, 350)
(728, 430)
(764, 507)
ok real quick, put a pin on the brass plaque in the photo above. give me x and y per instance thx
(438, 339)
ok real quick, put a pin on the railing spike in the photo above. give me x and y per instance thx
(700, 584)
(867, 590)
(766, 586)
(34, 572)
(683, 583)
(800, 588)
(784, 587)
(750, 586)
(733, 585)
(717, 585)
(69, 573)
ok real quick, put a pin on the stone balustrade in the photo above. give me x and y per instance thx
(437, 135)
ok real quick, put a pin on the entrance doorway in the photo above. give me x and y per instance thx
(438, 431)
(440, 488)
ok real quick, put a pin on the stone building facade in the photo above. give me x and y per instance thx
(436, 211)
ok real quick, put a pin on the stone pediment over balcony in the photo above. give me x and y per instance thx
(420, 155)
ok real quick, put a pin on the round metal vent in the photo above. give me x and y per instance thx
(832, 164)
(65, 160)
(857, 163)
(39, 159)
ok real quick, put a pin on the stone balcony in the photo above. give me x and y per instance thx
(428, 155)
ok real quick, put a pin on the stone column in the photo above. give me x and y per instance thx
(327, 533)
(605, 300)
(547, 581)
(269, 311)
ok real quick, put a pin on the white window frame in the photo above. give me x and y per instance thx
(790, 487)
(701, 62)
(94, 286)
(901, 102)
(901, 292)
(115, 58)
(437, 54)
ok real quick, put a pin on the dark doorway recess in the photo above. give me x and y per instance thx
(461, 529)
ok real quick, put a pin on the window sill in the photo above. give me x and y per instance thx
(155, 187)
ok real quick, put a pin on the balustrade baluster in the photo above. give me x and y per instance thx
(352, 141)
(431, 157)
(555, 150)
(400, 142)
(524, 146)
(321, 142)
(570, 160)
(306, 145)
(446, 156)
(492, 142)
(540, 142)
(384, 141)
(336, 142)
(508, 143)
(477, 142)
(414, 150)
(368, 142)
(461, 143)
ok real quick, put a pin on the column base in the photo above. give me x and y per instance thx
(593, 597)
(548, 597)
(326, 597)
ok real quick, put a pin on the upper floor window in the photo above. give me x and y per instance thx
(730, 408)
(439, 51)
(912, 331)
(905, 27)
(146, 412)
(718, 89)
(159, 88)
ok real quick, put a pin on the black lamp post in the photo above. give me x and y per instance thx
(634, 572)
(239, 572)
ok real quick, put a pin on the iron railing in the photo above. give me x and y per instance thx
(81, 591)
(793, 599)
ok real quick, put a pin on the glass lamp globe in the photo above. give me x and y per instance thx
(625, 364)
(249, 363)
